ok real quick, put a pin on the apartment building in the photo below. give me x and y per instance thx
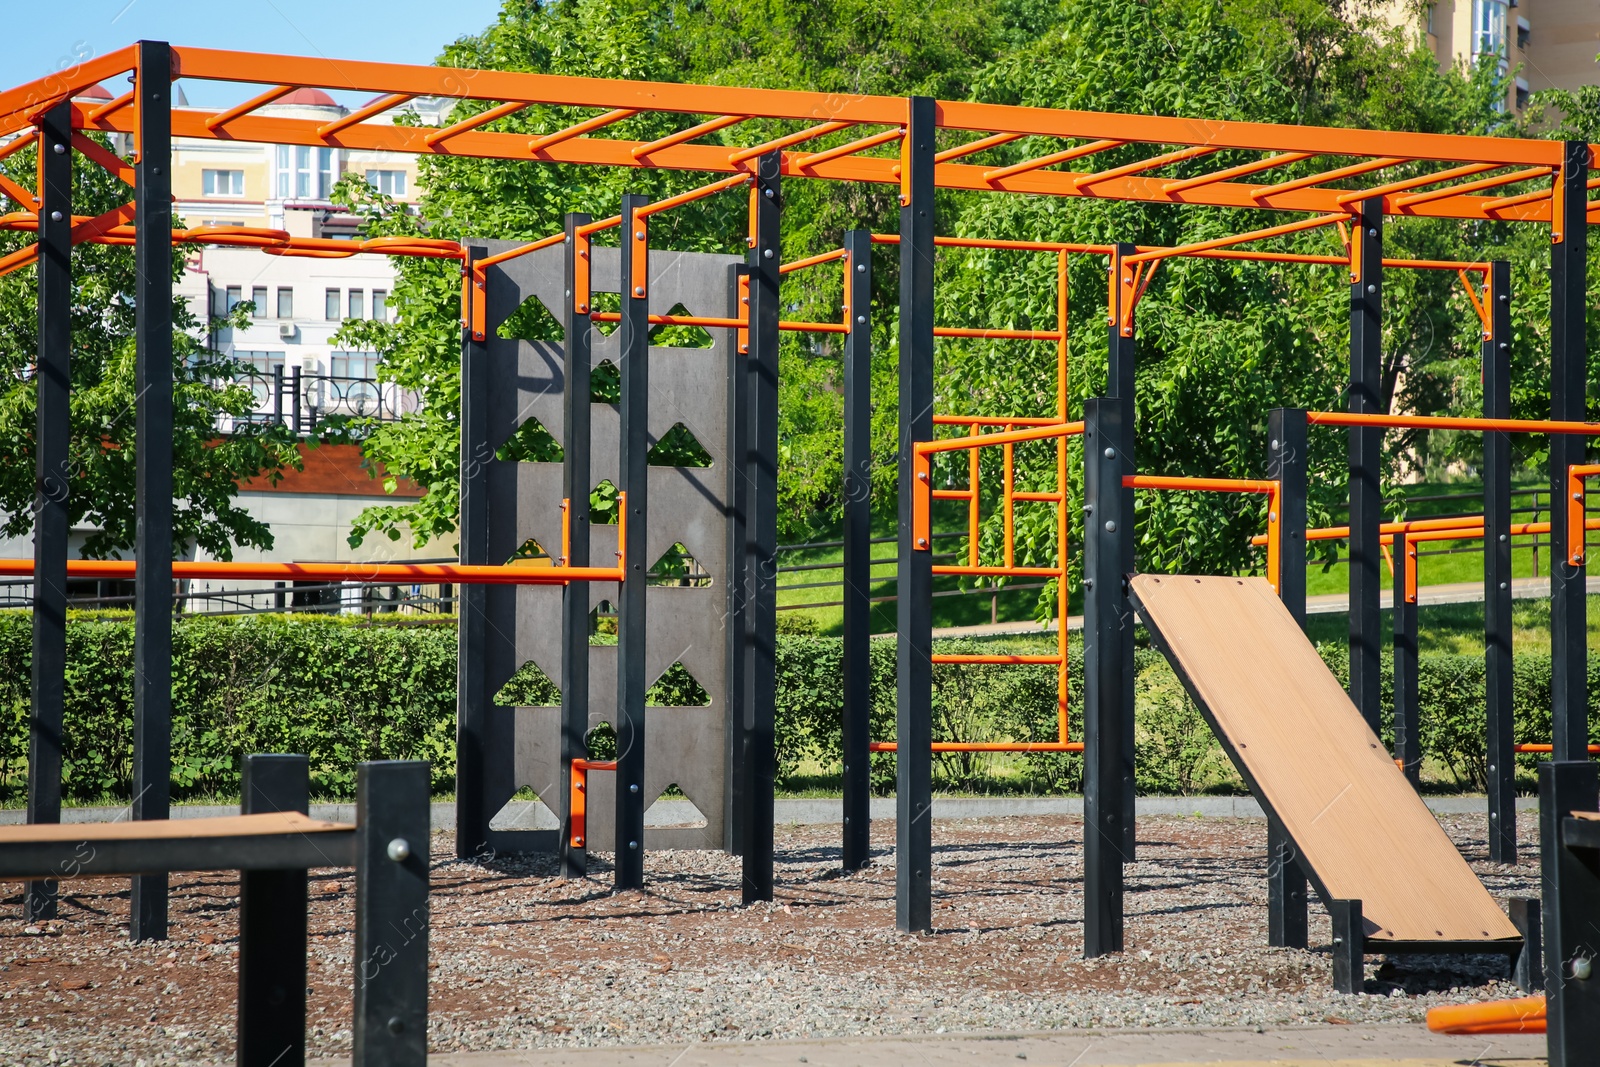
(1537, 44)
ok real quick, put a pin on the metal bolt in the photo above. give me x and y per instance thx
(60, 149)
(767, 253)
(1502, 537)
(1274, 442)
(922, 476)
(396, 1024)
(633, 788)
(638, 290)
(922, 542)
(1582, 968)
(1111, 526)
(861, 318)
(633, 844)
(578, 841)
(638, 235)
(399, 850)
(769, 194)
(1504, 346)
(55, 216)
(1372, 233)
(1504, 298)
(1577, 496)
(569, 292)
(1504, 585)
(583, 307)
(1272, 516)
(861, 268)
(1372, 288)
(583, 787)
(1111, 453)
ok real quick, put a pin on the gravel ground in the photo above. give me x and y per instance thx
(525, 959)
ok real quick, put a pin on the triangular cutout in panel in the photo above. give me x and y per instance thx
(603, 624)
(532, 322)
(601, 742)
(603, 504)
(678, 448)
(605, 302)
(532, 443)
(605, 383)
(666, 336)
(525, 811)
(673, 810)
(531, 554)
(530, 687)
(677, 688)
(677, 568)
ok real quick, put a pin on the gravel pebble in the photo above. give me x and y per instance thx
(522, 958)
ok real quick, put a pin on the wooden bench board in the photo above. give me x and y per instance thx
(276, 822)
(1359, 827)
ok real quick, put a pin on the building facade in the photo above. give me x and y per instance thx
(1536, 44)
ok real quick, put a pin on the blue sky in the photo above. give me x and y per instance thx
(59, 33)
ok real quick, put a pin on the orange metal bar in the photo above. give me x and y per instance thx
(550, 140)
(1524, 1015)
(18, 143)
(1004, 246)
(351, 572)
(784, 142)
(577, 802)
(1143, 165)
(1293, 184)
(972, 148)
(603, 224)
(996, 334)
(690, 134)
(1593, 749)
(997, 572)
(1450, 422)
(693, 195)
(355, 118)
(480, 280)
(1228, 485)
(1577, 550)
(812, 261)
(221, 119)
(1449, 174)
(1480, 306)
(711, 322)
(1037, 433)
(24, 198)
(1241, 171)
(109, 161)
(434, 138)
(989, 746)
(992, 420)
(807, 161)
(1471, 187)
(109, 108)
(974, 523)
(1501, 202)
(1001, 173)
(1236, 239)
(993, 658)
(1007, 488)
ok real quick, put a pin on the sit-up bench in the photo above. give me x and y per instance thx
(272, 843)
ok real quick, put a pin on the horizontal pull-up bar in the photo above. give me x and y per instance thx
(1450, 422)
(1272, 489)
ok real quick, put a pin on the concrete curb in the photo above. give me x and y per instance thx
(529, 814)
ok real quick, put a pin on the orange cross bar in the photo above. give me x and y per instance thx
(472, 122)
(1449, 422)
(1243, 170)
(972, 148)
(814, 159)
(784, 142)
(225, 117)
(1143, 165)
(549, 140)
(1472, 187)
(1051, 160)
(1264, 191)
(377, 107)
(687, 135)
(1242, 238)
(1412, 183)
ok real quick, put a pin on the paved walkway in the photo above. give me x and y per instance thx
(1331, 1046)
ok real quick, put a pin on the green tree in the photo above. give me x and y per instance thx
(207, 465)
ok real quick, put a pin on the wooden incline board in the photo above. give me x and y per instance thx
(1360, 829)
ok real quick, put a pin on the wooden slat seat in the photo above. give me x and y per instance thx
(1359, 827)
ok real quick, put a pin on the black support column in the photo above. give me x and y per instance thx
(1107, 643)
(857, 594)
(472, 699)
(758, 755)
(272, 925)
(1407, 705)
(1286, 463)
(1497, 570)
(576, 481)
(738, 594)
(1568, 365)
(152, 619)
(1570, 895)
(1366, 463)
(634, 468)
(51, 518)
(1122, 360)
(914, 582)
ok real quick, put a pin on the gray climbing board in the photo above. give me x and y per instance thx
(686, 746)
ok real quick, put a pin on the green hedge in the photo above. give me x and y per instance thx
(343, 691)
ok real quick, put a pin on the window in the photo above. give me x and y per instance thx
(285, 303)
(262, 363)
(380, 305)
(1489, 30)
(1523, 33)
(304, 173)
(233, 294)
(358, 365)
(1429, 13)
(388, 182)
(222, 182)
(258, 297)
(330, 305)
(1522, 94)
(358, 304)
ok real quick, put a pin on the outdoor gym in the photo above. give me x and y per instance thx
(1343, 812)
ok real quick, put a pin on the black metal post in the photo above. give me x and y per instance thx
(1366, 464)
(737, 626)
(634, 359)
(295, 394)
(857, 594)
(277, 396)
(1123, 357)
(1501, 737)
(391, 951)
(472, 700)
(759, 757)
(51, 518)
(1570, 917)
(576, 483)
(152, 586)
(914, 583)
(272, 926)
(1286, 463)
(1569, 668)
(1349, 946)
(1407, 705)
(1107, 632)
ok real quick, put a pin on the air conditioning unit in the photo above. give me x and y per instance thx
(287, 331)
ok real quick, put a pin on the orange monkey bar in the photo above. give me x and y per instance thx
(578, 798)
(505, 574)
(1450, 422)
(1272, 489)
(1524, 1015)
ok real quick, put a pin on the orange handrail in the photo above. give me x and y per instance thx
(1524, 1015)
(1450, 422)
(1272, 489)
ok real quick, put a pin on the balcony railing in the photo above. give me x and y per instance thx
(302, 401)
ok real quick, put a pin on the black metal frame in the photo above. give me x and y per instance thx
(857, 592)
(1500, 727)
(577, 480)
(756, 742)
(1121, 377)
(1366, 464)
(1108, 680)
(1287, 463)
(272, 915)
(914, 583)
(474, 702)
(1407, 702)
(1569, 852)
(51, 517)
